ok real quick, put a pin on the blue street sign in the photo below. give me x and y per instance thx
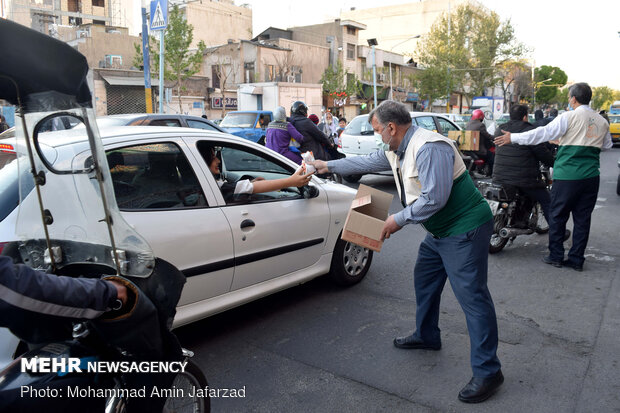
(159, 14)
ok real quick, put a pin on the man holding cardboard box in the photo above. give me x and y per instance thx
(437, 192)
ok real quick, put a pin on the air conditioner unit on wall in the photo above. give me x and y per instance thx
(381, 76)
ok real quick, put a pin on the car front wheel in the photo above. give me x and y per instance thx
(350, 263)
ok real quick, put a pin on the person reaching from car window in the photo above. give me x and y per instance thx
(254, 186)
(279, 135)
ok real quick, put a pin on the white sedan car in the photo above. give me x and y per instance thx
(233, 250)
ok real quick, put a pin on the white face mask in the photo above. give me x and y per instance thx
(382, 145)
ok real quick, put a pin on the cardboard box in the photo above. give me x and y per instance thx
(366, 218)
(468, 140)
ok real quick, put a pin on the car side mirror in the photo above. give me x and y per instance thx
(310, 191)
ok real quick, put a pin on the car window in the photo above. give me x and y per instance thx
(263, 121)
(359, 126)
(445, 126)
(614, 119)
(426, 122)
(154, 176)
(238, 120)
(199, 125)
(239, 166)
(175, 123)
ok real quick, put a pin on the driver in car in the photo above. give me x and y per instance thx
(254, 186)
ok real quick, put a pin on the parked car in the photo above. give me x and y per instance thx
(358, 138)
(157, 119)
(614, 128)
(231, 253)
(249, 124)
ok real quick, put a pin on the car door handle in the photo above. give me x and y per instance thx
(246, 223)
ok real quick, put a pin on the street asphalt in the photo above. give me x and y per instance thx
(319, 348)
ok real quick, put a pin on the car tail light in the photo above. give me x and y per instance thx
(2, 244)
(479, 162)
(5, 147)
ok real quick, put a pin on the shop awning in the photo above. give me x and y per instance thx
(127, 81)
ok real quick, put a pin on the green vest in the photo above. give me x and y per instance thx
(465, 210)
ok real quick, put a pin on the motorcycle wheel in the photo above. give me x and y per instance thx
(542, 226)
(191, 378)
(497, 243)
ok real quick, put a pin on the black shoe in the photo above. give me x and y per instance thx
(576, 267)
(566, 234)
(412, 342)
(479, 389)
(547, 260)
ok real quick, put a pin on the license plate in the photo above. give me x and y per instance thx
(494, 205)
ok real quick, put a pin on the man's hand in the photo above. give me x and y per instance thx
(121, 291)
(502, 139)
(389, 228)
(321, 166)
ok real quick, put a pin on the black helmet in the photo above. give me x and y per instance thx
(299, 108)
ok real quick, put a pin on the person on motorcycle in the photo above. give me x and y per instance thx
(314, 140)
(517, 166)
(476, 123)
(25, 289)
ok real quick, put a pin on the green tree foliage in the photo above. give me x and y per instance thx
(179, 62)
(602, 98)
(337, 83)
(561, 98)
(548, 80)
(471, 54)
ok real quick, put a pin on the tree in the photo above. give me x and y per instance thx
(561, 98)
(180, 62)
(471, 57)
(510, 72)
(548, 80)
(337, 83)
(602, 98)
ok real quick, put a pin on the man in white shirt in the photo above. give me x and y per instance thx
(582, 134)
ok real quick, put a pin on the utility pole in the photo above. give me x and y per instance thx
(372, 43)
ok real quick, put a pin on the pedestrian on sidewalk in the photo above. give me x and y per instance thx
(436, 191)
(582, 133)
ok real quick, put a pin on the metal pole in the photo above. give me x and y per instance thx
(391, 98)
(374, 76)
(161, 71)
(148, 95)
(448, 67)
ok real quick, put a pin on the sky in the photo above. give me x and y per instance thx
(580, 37)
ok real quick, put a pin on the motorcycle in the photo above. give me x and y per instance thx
(68, 223)
(514, 213)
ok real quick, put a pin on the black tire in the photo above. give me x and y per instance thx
(261, 141)
(350, 263)
(352, 178)
(192, 376)
(542, 226)
(497, 243)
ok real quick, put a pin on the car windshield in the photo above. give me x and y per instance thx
(9, 184)
(359, 126)
(614, 119)
(239, 120)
